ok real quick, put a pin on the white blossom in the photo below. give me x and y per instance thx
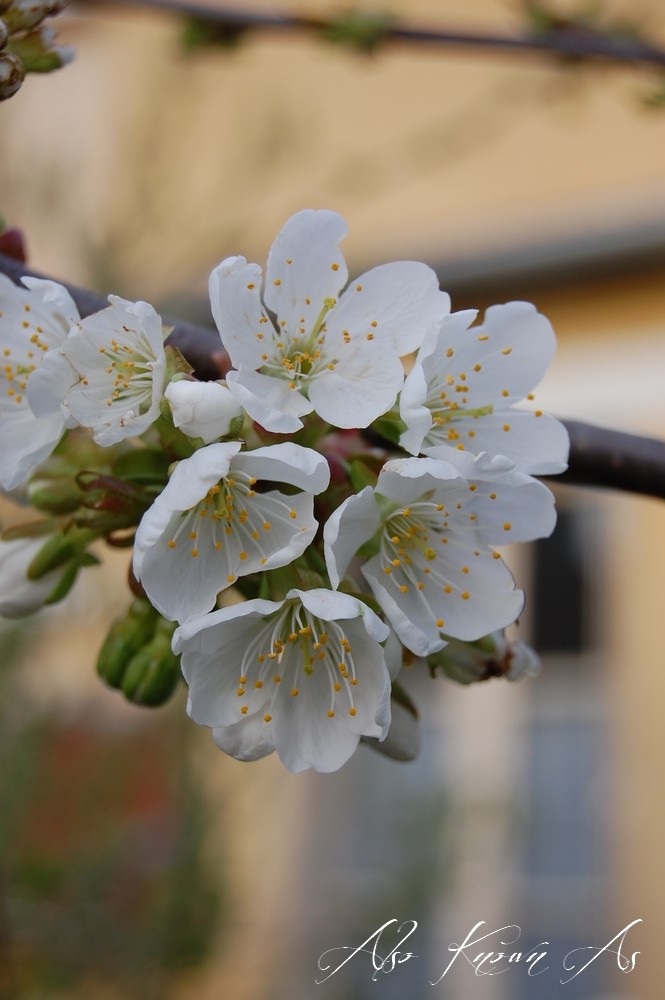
(114, 366)
(466, 381)
(436, 572)
(334, 354)
(33, 322)
(306, 677)
(210, 524)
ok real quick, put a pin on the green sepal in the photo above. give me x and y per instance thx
(142, 465)
(153, 673)
(390, 428)
(32, 529)
(57, 550)
(235, 428)
(362, 475)
(54, 495)
(125, 638)
(176, 363)
(65, 583)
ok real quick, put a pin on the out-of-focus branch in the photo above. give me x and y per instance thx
(567, 39)
(598, 456)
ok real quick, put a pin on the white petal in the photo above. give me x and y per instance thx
(416, 416)
(305, 266)
(538, 444)
(331, 605)
(27, 441)
(49, 384)
(202, 409)
(235, 300)
(192, 477)
(394, 302)
(269, 400)
(354, 522)
(359, 390)
(406, 479)
(286, 463)
(248, 739)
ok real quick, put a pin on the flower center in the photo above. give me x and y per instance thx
(294, 648)
(412, 548)
(300, 356)
(130, 368)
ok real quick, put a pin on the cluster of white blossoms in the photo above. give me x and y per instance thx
(293, 595)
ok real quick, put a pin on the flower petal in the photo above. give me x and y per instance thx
(269, 401)
(395, 303)
(305, 267)
(287, 463)
(359, 389)
(235, 300)
(354, 522)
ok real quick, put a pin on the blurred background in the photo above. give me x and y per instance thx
(136, 861)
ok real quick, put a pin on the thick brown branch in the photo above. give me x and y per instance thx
(568, 40)
(598, 456)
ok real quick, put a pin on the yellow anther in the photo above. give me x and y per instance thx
(258, 685)
(334, 267)
(244, 710)
(465, 595)
(294, 692)
(352, 711)
(267, 718)
(507, 350)
(506, 427)
(172, 543)
(195, 553)
(507, 526)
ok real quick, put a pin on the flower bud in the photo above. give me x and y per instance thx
(153, 673)
(203, 410)
(4, 34)
(492, 656)
(24, 15)
(126, 637)
(54, 495)
(12, 74)
(21, 594)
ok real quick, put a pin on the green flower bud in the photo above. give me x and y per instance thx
(126, 637)
(153, 673)
(24, 15)
(54, 496)
(12, 74)
(56, 551)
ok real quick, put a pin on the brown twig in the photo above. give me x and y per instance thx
(571, 40)
(598, 456)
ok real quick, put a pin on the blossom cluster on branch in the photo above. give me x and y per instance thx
(290, 568)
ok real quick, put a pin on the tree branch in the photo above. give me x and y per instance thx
(567, 39)
(598, 456)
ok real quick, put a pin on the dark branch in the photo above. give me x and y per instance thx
(565, 39)
(598, 456)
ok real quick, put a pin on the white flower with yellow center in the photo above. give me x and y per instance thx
(115, 365)
(466, 381)
(306, 677)
(33, 321)
(334, 354)
(436, 572)
(213, 523)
